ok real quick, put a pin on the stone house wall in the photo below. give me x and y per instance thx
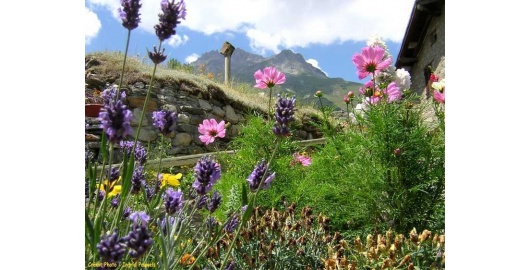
(431, 53)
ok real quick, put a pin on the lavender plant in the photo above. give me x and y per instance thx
(134, 218)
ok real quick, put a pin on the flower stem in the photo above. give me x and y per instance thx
(251, 205)
(145, 102)
(270, 99)
(123, 66)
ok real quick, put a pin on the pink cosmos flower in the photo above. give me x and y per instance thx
(392, 92)
(370, 60)
(268, 78)
(211, 130)
(374, 94)
(302, 159)
(439, 96)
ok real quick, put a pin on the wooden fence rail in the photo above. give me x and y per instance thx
(192, 159)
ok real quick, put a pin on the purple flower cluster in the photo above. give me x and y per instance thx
(115, 119)
(165, 226)
(115, 201)
(214, 201)
(258, 174)
(114, 174)
(173, 201)
(157, 56)
(284, 115)
(165, 121)
(139, 238)
(232, 223)
(140, 153)
(207, 172)
(130, 15)
(137, 180)
(111, 249)
(169, 18)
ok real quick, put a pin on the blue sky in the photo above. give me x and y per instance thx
(326, 33)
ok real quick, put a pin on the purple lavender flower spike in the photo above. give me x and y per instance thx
(207, 172)
(232, 224)
(211, 222)
(137, 180)
(111, 249)
(116, 120)
(140, 154)
(139, 218)
(214, 201)
(203, 200)
(284, 114)
(157, 56)
(115, 201)
(126, 212)
(165, 121)
(173, 200)
(127, 146)
(169, 18)
(139, 238)
(231, 266)
(255, 177)
(130, 15)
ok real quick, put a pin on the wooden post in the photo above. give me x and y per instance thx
(227, 51)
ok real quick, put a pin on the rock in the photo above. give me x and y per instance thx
(196, 120)
(169, 107)
(94, 81)
(139, 85)
(166, 99)
(147, 134)
(205, 105)
(138, 102)
(183, 118)
(187, 128)
(218, 111)
(234, 130)
(91, 138)
(137, 113)
(231, 115)
(300, 134)
(167, 91)
(192, 110)
(192, 150)
(181, 139)
(177, 150)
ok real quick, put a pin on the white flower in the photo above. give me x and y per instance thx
(439, 85)
(386, 76)
(402, 78)
(376, 40)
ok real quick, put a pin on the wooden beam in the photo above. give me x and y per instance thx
(192, 159)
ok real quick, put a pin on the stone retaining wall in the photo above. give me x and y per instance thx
(192, 106)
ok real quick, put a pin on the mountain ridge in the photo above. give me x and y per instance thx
(303, 79)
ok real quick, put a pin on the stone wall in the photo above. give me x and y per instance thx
(192, 106)
(431, 53)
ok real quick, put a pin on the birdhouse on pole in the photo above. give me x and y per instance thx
(227, 51)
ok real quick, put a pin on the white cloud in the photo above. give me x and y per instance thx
(176, 40)
(314, 63)
(272, 25)
(92, 25)
(191, 58)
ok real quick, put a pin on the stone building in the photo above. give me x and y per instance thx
(423, 45)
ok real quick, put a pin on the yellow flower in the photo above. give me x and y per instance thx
(171, 179)
(187, 259)
(112, 187)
